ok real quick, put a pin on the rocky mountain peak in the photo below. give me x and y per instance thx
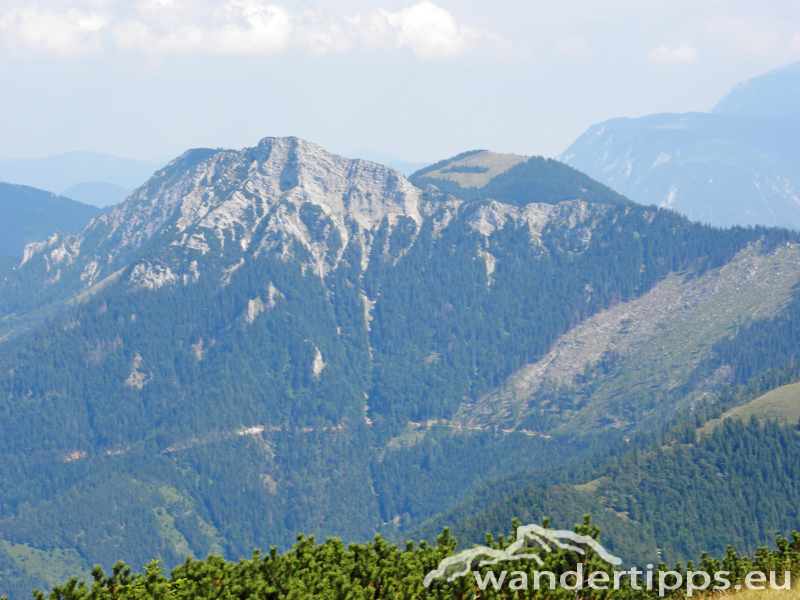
(210, 212)
(282, 194)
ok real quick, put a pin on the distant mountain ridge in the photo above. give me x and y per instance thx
(30, 215)
(61, 172)
(97, 193)
(775, 94)
(737, 166)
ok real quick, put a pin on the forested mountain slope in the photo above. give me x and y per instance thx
(275, 340)
(669, 500)
(723, 473)
(517, 180)
(635, 364)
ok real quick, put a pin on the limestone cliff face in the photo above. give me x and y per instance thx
(259, 202)
(285, 197)
(251, 199)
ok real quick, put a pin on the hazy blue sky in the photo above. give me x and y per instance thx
(421, 80)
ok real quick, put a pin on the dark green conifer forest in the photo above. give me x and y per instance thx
(235, 410)
(378, 569)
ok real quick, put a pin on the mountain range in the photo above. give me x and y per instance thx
(31, 215)
(275, 340)
(775, 94)
(738, 165)
(89, 177)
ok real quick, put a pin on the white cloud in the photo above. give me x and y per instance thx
(252, 28)
(321, 34)
(664, 55)
(796, 42)
(69, 33)
(136, 37)
(574, 47)
(430, 31)
(236, 27)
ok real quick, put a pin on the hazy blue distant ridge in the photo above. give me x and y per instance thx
(773, 94)
(30, 215)
(739, 165)
(107, 175)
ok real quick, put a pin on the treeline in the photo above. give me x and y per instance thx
(443, 163)
(377, 570)
(465, 169)
(537, 179)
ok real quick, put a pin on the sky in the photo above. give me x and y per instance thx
(420, 80)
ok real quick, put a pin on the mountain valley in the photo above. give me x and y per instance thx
(277, 340)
